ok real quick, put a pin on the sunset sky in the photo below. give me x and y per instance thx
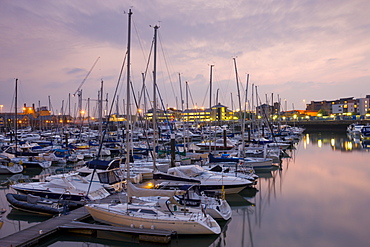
(295, 50)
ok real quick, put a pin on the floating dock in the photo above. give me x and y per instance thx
(72, 223)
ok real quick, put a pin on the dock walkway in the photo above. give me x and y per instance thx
(34, 234)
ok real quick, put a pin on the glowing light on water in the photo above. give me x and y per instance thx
(307, 138)
(348, 145)
(332, 142)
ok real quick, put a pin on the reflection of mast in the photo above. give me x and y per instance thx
(281, 173)
(249, 226)
(250, 229)
(271, 177)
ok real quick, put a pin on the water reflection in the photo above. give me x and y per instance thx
(107, 238)
(318, 197)
(13, 220)
(338, 142)
(251, 205)
(24, 217)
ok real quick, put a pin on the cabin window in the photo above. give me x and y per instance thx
(147, 211)
(133, 209)
(108, 178)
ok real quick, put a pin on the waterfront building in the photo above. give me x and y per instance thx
(168, 115)
(364, 105)
(268, 110)
(217, 112)
(320, 105)
(36, 118)
(346, 106)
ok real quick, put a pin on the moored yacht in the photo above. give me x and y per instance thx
(69, 186)
(161, 214)
(205, 179)
(9, 167)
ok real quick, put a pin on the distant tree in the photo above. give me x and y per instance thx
(323, 112)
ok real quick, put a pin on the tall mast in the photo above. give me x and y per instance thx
(100, 106)
(16, 116)
(237, 84)
(155, 94)
(210, 88)
(187, 96)
(252, 109)
(210, 100)
(40, 122)
(88, 110)
(182, 100)
(244, 116)
(128, 139)
(69, 104)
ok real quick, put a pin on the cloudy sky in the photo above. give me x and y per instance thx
(295, 50)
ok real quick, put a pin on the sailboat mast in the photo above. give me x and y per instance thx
(155, 94)
(244, 115)
(187, 94)
(182, 100)
(210, 100)
(16, 116)
(100, 106)
(210, 88)
(128, 139)
(237, 84)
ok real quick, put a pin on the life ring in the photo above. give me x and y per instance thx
(11, 164)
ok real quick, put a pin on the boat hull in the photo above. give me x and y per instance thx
(119, 216)
(227, 188)
(51, 195)
(42, 206)
(11, 169)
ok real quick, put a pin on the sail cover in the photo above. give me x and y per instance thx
(141, 192)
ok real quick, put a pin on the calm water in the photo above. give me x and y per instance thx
(320, 197)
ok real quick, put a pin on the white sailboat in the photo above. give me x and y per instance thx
(176, 177)
(8, 167)
(151, 215)
(213, 202)
(68, 186)
(162, 214)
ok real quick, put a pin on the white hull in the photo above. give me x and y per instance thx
(221, 210)
(257, 162)
(65, 185)
(16, 168)
(181, 223)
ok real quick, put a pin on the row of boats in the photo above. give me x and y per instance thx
(360, 133)
(359, 130)
(187, 198)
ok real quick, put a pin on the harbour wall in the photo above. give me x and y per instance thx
(327, 125)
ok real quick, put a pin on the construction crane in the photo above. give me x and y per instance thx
(79, 90)
(83, 81)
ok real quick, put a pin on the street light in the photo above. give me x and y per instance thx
(1, 108)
